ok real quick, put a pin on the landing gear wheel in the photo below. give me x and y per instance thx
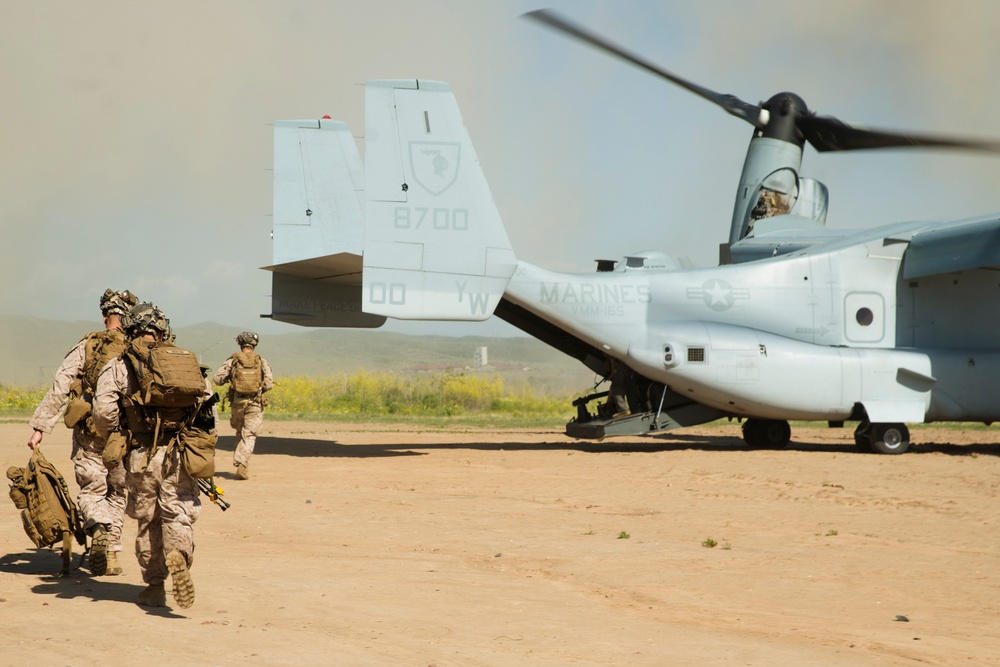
(766, 433)
(890, 438)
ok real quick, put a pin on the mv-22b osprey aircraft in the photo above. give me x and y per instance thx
(799, 322)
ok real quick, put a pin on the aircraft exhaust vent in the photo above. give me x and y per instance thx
(605, 265)
(696, 355)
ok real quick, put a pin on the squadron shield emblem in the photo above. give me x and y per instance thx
(434, 164)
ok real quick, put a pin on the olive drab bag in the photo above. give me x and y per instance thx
(197, 448)
(168, 376)
(171, 388)
(100, 347)
(48, 512)
(247, 374)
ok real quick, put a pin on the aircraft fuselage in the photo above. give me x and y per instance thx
(748, 338)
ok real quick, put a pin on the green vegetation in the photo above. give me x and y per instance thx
(709, 543)
(15, 401)
(432, 398)
(425, 396)
(623, 535)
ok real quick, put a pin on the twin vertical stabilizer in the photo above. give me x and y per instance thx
(434, 245)
(318, 227)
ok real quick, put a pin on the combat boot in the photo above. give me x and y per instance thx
(154, 595)
(180, 577)
(99, 550)
(241, 472)
(113, 566)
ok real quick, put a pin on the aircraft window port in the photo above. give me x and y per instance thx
(865, 316)
(696, 354)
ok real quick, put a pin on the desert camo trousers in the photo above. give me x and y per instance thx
(246, 419)
(164, 500)
(102, 492)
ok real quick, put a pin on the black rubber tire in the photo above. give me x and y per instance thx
(890, 438)
(766, 433)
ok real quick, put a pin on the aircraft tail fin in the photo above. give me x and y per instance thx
(434, 245)
(318, 227)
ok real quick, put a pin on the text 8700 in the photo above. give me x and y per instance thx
(444, 219)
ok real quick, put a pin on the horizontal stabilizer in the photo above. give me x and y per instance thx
(964, 245)
(318, 226)
(318, 303)
(343, 268)
(434, 245)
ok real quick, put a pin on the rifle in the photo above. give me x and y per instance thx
(213, 492)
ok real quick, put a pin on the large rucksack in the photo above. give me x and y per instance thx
(168, 376)
(48, 512)
(100, 347)
(247, 374)
(171, 388)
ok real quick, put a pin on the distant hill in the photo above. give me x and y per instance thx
(31, 350)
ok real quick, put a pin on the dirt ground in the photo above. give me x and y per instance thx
(384, 545)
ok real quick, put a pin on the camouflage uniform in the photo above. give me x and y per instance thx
(162, 496)
(102, 492)
(246, 410)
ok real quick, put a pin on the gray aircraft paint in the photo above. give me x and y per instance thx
(807, 325)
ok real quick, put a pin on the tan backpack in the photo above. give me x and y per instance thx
(168, 376)
(100, 347)
(247, 374)
(48, 512)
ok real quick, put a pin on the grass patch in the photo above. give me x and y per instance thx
(18, 401)
(474, 399)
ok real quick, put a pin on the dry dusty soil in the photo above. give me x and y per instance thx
(383, 545)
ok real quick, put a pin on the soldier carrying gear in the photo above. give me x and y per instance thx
(151, 394)
(249, 376)
(101, 500)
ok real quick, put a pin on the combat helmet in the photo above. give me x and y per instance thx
(247, 339)
(145, 318)
(119, 303)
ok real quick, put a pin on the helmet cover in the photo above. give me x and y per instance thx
(119, 303)
(145, 318)
(247, 339)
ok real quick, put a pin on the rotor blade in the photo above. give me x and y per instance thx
(829, 134)
(731, 103)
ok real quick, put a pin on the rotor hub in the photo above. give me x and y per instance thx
(779, 118)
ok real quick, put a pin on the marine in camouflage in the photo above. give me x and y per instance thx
(102, 492)
(162, 496)
(246, 410)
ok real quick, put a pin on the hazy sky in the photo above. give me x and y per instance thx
(136, 138)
